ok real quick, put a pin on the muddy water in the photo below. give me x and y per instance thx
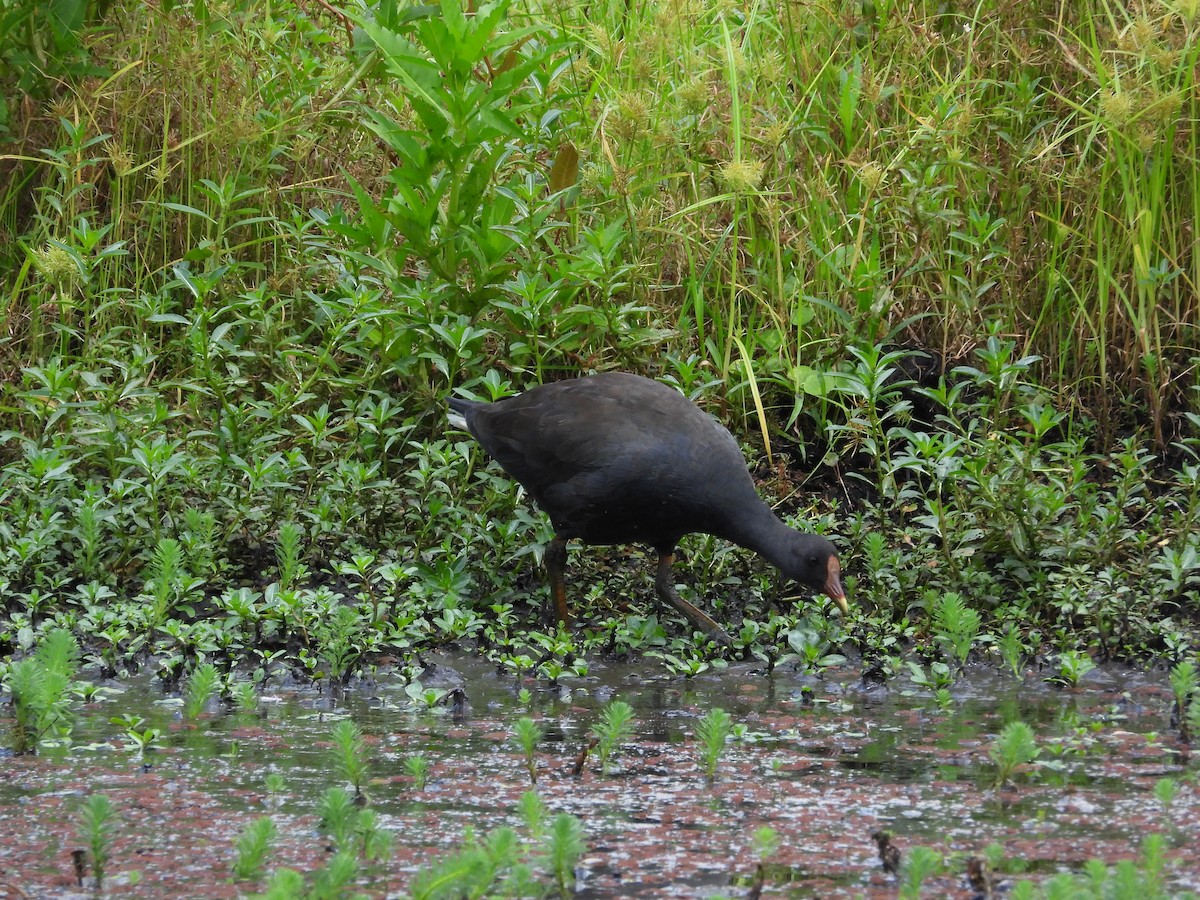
(824, 762)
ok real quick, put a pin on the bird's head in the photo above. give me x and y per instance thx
(813, 562)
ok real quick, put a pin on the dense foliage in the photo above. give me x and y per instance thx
(937, 267)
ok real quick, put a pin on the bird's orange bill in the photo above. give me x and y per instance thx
(833, 584)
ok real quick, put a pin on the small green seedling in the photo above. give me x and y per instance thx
(253, 845)
(713, 731)
(612, 731)
(351, 754)
(1015, 747)
(528, 734)
(417, 766)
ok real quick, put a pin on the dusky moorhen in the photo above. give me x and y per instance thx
(616, 458)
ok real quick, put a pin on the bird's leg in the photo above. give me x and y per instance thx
(666, 590)
(555, 559)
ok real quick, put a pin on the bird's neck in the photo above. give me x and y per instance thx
(760, 530)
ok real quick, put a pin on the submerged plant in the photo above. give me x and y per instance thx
(40, 686)
(612, 731)
(956, 624)
(338, 816)
(351, 753)
(564, 846)
(528, 733)
(1012, 648)
(1183, 685)
(920, 863)
(253, 845)
(200, 689)
(417, 766)
(1072, 666)
(713, 732)
(97, 827)
(1015, 747)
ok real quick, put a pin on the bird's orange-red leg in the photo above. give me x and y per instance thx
(666, 589)
(555, 559)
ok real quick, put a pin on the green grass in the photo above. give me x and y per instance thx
(231, 322)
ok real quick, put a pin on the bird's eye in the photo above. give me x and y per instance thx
(813, 561)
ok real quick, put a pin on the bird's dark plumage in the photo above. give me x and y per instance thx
(616, 458)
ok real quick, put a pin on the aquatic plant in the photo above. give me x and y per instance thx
(533, 812)
(143, 740)
(939, 676)
(1184, 683)
(1165, 791)
(417, 767)
(245, 696)
(285, 884)
(253, 845)
(97, 821)
(1072, 666)
(375, 842)
(338, 816)
(201, 687)
(289, 556)
(337, 876)
(613, 729)
(564, 846)
(528, 733)
(919, 864)
(1012, 648)
(351, 754)
(40, 686)
(338, 636)
(425, 697)
(1014, 747)
(713, 731)
(955, 624)
(811, 647)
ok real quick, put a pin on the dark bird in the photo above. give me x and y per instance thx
(889, 853)
(616, 458)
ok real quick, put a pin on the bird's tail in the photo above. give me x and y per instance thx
(455, 415)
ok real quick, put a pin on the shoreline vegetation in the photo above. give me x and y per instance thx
(933, 264)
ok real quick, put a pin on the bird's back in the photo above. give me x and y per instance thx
(616, 458)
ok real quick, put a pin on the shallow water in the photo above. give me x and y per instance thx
(824, 762)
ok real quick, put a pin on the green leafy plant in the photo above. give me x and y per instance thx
(338, 816)
(1184, 684)
(565, 845)
(713, 732)
(1014, 747)
(920, 863)
(201, 687)
(955, 624)
(528, 733)
(143, 740)
(455, 190)
(351, 754)
(97, 828)
(1072, 666)
(613, 729)
(40, 686)
(253, 845)
(417, 766)
(939, 677)
(812, 650)
(1012, 648)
